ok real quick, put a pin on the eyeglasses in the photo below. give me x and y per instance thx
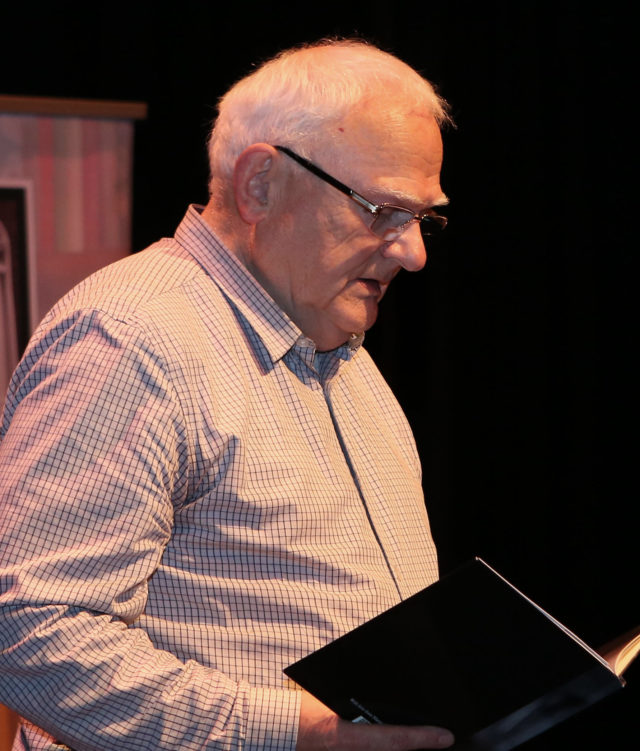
(389, 221)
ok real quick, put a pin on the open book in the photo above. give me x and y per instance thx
(470, 653)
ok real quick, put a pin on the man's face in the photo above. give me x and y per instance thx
(322, 263)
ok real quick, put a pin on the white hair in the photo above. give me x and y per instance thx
(293, 98)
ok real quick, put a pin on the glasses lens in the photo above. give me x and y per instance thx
(432, 224)
(390, 219)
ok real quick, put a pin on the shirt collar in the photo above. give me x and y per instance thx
(276, 330)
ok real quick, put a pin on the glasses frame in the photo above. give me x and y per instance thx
(431, 223)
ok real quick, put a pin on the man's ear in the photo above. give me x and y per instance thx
(253, 177)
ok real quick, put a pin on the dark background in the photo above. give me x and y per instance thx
(513, 351)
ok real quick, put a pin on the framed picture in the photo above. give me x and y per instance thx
(18, 309)
(16, 218)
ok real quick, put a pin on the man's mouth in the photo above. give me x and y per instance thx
(372, 286)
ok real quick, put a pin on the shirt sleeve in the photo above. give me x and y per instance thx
(94, 457)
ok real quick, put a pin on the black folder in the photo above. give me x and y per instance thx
(470, 653)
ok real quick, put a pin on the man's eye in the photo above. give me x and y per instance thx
(395, 217)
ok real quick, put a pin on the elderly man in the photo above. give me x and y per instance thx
(203, 476)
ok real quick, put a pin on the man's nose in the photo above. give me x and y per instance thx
(408, 249)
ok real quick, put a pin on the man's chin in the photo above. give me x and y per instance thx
(340, 327)
(359, 324)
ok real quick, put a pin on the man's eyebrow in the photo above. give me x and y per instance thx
(408, 200)
(443, 200)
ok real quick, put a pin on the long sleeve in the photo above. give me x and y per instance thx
(92, 465)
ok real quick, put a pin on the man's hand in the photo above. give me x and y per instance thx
(322, 730)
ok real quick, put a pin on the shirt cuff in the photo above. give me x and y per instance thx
(273, 719)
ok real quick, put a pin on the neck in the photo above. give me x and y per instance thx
(234, 234)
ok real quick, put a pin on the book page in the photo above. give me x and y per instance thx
(622, 651)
